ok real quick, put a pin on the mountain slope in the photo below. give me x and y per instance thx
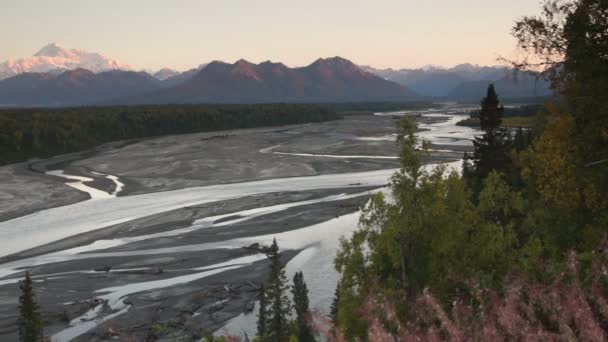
(73, 87)
(326, 80)
(54, 57)
(182, 77)
(165, 73)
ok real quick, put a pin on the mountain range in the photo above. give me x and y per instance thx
(465, 82)
(56, 76)
(326, 80)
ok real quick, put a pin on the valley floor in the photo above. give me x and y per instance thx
(164, 235)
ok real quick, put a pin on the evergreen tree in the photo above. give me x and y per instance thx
(491, 149)
(491, 113)
(300, 299)
(30, 321)
(263, 314)
(333, 311)
(278, 301)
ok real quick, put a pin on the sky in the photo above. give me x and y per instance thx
(181, 34)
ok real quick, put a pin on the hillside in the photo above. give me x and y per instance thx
(73, 87)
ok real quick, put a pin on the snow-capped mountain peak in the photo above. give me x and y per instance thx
(54, 50)
(54, 57)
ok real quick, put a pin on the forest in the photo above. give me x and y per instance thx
(29, 133)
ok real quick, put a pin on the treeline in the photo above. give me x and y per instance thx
(378, 106)
(528, 101)
(27, 133)
(522, 116)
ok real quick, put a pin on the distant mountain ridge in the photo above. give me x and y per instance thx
(465, 81)
(326, 80)
(182, 77)
(56, 76)
(55, 58)
(165, 73)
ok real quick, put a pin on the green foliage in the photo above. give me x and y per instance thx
(490, 116)
(570, 38)
(300, 300)
(263, 314)
(275, 308)
(351, 262)
(159, 329)
(30, 320)
(428, 235)
(279, 305)
(431, 234)
(492, 148)
(273, 324)
(27, 133)
(335, 304)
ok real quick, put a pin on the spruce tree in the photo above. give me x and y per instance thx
(278, 301)
(492, 148)
(263, 315)
(491, 113)
(300, 300)
(30, 321)
(333, 311)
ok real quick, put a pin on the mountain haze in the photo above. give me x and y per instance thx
(519, 86)
(465, 82)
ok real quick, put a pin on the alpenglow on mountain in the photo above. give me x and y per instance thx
(55, 58)
(326, 80)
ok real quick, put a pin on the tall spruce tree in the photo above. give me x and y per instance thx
(491, 113)
(300, 300)
(30, 321)
(262, 334)
(335, 304)
(278, 301)
(492, 148)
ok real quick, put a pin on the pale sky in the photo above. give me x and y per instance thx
(182, 34)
